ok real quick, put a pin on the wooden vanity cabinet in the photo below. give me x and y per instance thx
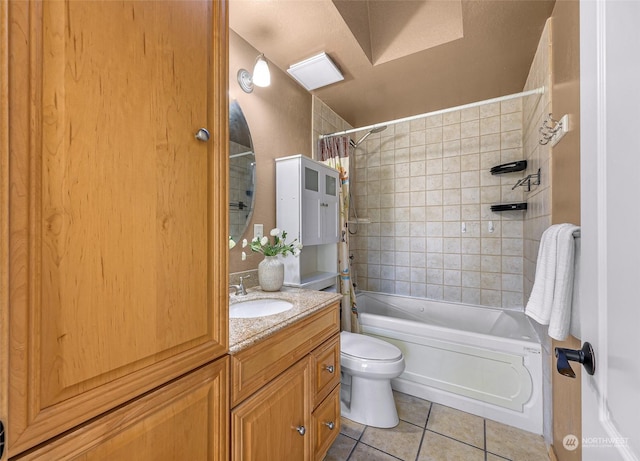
(116, 218)
(286, 392)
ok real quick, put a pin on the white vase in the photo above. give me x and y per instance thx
(271, 273)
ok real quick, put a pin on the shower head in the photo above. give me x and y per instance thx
(377, 129)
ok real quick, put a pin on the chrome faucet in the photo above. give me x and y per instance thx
(240, 289)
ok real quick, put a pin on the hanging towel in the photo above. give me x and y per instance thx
(551, 298)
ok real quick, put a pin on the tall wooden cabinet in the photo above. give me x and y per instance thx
(117, 226)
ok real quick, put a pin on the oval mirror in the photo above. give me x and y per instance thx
(242, 173)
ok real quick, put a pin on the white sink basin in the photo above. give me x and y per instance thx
(258, 308)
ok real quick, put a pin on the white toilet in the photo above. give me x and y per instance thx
(368, 366)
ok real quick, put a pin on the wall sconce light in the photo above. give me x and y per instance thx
(261, 75)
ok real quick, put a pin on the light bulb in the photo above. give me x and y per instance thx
(261, 74)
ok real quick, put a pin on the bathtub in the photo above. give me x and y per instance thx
(481, 360)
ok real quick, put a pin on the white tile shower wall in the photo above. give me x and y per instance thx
(538, 216)
(325, 121)
(535, 110)
(426, 188)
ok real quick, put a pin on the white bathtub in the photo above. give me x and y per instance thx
(481, 360)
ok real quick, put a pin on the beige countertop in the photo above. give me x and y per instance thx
(245, 332)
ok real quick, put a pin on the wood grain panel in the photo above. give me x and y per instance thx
(4, 214)
(567, 404)
(255, 366)
(124, 188)
(118, 261)
(323, 435)
(186, 419)
(325, 356)
(264, 426)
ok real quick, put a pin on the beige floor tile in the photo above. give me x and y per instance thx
(412, 409)
(437, 447)
(351, 428)
(457, 424)
(402, 441)
(514, 443)
(491, 457)
(366, 453)
(341, 448)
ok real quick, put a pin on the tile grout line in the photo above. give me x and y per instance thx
(356, 444)
(454, 439)
(424, 432)
(381, 451)
(484, 433)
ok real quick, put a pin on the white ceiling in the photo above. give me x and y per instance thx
(400, 57)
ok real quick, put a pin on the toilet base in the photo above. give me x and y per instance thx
(371, 403)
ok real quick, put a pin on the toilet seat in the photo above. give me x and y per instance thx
(368, 348)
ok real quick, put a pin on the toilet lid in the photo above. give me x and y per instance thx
(366, 347)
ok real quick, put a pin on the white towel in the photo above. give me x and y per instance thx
(551, 297)
(574, 330)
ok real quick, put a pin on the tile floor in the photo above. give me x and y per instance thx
(432, 432)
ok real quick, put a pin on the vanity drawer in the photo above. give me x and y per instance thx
(326, 424)
(325, 369)
(256, 365)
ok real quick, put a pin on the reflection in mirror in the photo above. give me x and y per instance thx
(242, 173)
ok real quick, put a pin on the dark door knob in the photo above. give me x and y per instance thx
(585, 356)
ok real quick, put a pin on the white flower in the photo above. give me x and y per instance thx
(231, 243)
(244, 243)
(277, 246)
(296, 251)
(244, 255)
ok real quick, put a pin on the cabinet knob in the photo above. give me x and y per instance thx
(330, 425)
(202, 135)
(301, 430)
(329, 368)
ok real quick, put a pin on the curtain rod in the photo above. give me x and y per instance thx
(437, 112)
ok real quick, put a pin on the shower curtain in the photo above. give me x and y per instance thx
(334, 152)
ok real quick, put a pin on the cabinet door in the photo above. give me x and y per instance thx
(325, 369)
(312, 208)
(184, 420)
(326, 424)
(118, 214)
(274, 424)
(330, 209)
